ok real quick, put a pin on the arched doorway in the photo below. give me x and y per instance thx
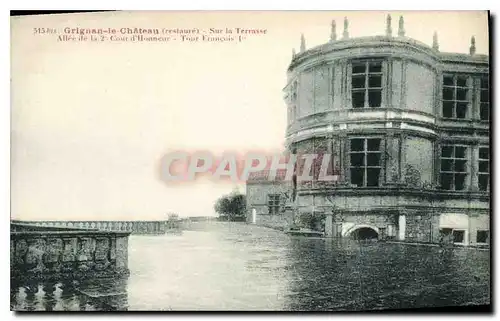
(363, 232)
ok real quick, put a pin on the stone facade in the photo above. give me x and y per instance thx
(408, 129)
(259, 191)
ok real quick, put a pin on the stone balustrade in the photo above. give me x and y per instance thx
(51, 252)
(134, 227)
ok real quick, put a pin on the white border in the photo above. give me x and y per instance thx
(193, 5)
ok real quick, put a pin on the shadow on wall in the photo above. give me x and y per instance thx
(364, 233)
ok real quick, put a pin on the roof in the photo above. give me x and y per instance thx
(263, 175)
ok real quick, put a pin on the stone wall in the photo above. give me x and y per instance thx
(476, 223)
(422, 227)
(420, 86)
(135, 227)
(257, 195)
(419, 159)
(278, 222)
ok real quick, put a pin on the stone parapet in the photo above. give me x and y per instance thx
(54, 253)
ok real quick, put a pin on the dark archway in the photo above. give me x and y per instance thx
(364, 233)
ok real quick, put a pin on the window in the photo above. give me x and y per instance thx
(450, 235)
(453, 167)
(456, 96)
(273, 202)
(483, 236)
(484, 99)
(445, 235)
(484, 168)
(458, 236)
(366, 85)
(365, 159)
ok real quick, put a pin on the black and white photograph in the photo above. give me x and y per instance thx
(277, 161)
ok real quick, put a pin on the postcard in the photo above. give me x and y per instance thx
(250, 161)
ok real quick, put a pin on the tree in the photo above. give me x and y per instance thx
(231, 206)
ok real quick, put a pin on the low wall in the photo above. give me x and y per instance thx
(278, 221)
(134, 227)
(55, 253)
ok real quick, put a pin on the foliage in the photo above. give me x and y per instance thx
(413, 176)
(312, 221)
(231, 207)
(173, 216)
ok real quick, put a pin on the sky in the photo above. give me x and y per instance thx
(90, 121)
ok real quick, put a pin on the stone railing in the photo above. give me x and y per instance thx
(134, 227)
(66, 253)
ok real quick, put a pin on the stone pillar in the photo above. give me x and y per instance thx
(396, 84)
(473, 167)
(345, 147)
(70, 248)
(383, 161)
(121, 253)
(437, 163)
(392, 162)
(402, 157)
(337, 158)
(438, 95)
(329, 225)
(102, 253)
(337, 88)
(475, 98)
(404, 85)
(346, 95)
(402, 226)
(435, 227)
(387, 92)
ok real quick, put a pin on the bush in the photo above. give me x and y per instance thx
(312, 221)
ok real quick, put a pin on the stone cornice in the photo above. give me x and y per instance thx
(429, 194)
(399, 44)
(395, 47)
(331, 123)
(463, 58)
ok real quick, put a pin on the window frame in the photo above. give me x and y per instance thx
(485, 104)
(367, 88)
(464, 235)
(487, 236)
(455, 87)
(453, 171)
(274, 203)
(365, 152)
(479, 172)
(447, 235)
